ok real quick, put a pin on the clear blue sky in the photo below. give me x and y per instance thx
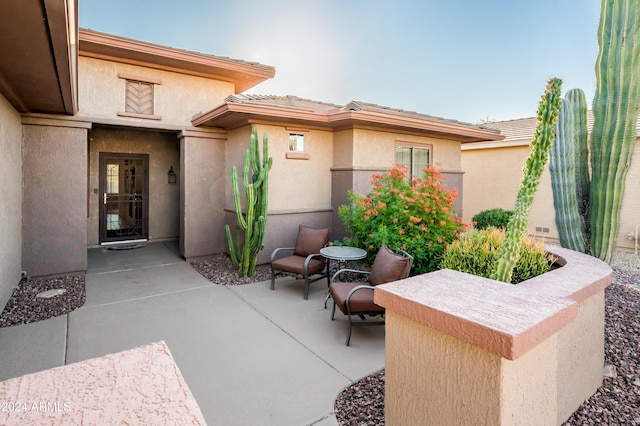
(460, 59)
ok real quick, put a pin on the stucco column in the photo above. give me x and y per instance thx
(54, 210)
(202, 192)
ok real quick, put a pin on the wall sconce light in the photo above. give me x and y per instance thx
(171, 175)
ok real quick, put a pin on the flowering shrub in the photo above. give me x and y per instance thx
(416, 216)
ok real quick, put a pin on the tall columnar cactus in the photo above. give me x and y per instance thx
(578, 102)
(246, 245)
(567, 193)
(615, 112)
(534, 166)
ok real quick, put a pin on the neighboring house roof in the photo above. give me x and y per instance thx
(239, 110)
(519, 132)
(244, 75)
(38, 56)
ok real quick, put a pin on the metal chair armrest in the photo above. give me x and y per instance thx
(341, 271)
(275, 252)
(360, 287)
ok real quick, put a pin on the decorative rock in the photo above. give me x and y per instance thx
(51, 293)
(610, 371)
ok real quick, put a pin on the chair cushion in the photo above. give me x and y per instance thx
(361, 301)
(388, 267)
(310, 240)
(295, 264)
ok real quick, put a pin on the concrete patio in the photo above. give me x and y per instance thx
(249, 355)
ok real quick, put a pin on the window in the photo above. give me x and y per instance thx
(139, 97)
(296, 142)
(415, 158)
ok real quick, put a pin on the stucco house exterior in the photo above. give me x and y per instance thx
(107, 140)
(493, 170)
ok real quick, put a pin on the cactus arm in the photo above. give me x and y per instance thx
(562, 167)
(578, 102)
(232, 250)
(236, 197)
(615, 111)
(534, 166)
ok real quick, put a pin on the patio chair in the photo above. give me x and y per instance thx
(305, 261)
(356, 298)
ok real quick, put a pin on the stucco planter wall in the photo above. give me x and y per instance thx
(462, 349)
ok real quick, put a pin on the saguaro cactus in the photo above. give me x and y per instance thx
(246, 245)
(615, 112)
(534, 166)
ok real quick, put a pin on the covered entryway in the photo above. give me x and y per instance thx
(124, 188)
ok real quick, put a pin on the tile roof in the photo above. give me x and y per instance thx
(523, 128)
(285, 101)
(308, 104)
(252, 64)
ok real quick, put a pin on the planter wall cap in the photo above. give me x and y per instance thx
(480, 311)
(506, 319)
(580, 277)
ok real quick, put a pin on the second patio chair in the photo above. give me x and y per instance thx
(305, 261)
(356, 298)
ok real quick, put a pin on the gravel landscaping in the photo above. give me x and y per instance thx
(24, 307)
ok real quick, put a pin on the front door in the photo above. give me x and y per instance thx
(124, 189)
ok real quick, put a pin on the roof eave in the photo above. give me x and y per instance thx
(39, 48)
(232, 115)
(119, 49)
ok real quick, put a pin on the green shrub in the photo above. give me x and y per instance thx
(476, 251)
(496, 218)
(417, 216)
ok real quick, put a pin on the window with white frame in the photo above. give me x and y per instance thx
(415, 157)
(296, 142)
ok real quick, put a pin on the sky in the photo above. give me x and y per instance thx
(467, 60)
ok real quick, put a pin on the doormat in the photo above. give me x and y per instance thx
(126, 246)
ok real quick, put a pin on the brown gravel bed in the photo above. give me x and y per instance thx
(219, 269)
(24, 307)
(616, 402)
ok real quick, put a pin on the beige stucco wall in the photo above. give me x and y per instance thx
(579, 369)
(375, 148)
(54, 213)
(11, 196)
(294, 184)
(299, 189)
(492, 178)
(164, 198)
(101, 93)
(446, 381)
(202, 185)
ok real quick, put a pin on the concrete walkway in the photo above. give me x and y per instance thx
(250, 356)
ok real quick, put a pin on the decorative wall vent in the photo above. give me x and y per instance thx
(139, 97)
(542, 229)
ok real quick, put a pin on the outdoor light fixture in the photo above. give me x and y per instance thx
(172, 175)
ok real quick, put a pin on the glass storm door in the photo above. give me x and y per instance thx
(124, 189)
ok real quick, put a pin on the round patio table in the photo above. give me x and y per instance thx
(341, 254)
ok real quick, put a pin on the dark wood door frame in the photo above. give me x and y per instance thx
(124, 212)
